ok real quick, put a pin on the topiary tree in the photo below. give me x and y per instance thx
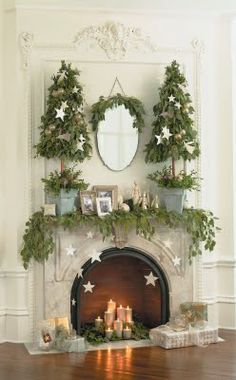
(173, 135)
(63, 130)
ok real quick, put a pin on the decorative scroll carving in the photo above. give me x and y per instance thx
(116, 39)
(26, 42)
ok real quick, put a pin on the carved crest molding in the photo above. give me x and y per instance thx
(115, 39)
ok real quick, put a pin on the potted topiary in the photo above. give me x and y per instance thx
(173, 136)
(62, 189)
(172, 189)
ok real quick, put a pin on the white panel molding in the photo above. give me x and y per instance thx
(220, 299)
(14, 312)
(226, 263)
(13, 273)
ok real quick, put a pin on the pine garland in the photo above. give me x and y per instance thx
(63, 130)
(200, 224)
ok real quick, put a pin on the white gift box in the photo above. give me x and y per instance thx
(165, 337)
(76, 345)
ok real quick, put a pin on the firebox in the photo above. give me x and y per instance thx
(129, 277)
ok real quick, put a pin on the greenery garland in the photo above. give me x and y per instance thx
(97, 336)
(200, 225)
(132, 104)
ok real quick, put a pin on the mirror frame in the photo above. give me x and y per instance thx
(132, 104)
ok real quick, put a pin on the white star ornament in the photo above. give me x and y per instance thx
(151, 279)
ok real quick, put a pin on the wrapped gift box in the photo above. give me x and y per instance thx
(165, 337)
(76, 345)
(194, 312)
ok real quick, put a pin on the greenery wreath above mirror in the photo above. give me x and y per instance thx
(132, 104)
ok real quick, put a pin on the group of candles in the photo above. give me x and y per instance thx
(121, 326)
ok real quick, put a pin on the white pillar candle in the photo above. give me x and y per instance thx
(127, 333)
(121, 313)
(118, 327)
(98, 322)
(128, 314)
(109, 318)
(111, 306)
(109, 333)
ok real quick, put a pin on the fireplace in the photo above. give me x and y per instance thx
(120, 275)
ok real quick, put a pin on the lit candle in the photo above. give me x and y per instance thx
(111, 306)
(109, 333)
(128, 314)
(108, 318)
(98, 322)
(118, 327)
(121, 313)
(127, 333)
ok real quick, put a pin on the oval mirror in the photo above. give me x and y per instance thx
(117, 139)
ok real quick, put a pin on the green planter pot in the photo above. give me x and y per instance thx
(65, 202)
(172, 199)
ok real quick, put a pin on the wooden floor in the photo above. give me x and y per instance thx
(215, 362)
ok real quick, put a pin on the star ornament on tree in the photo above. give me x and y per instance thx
(178, 105)
(159, 139)
(166, 133)
(64, 105)
(189, 147)
(88, 287)
(70, 251)
(151, 279)
(60, 113)
(171, 98)
(82, 139)
(80, 146)
(75, 90)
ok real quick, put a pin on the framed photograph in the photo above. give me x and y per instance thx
(103, 205)
(108, 191)
(88, 202)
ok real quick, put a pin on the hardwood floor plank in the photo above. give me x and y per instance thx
(214, 362)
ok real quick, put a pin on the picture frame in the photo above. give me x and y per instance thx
(104, 205)
(88, 202)
(110, 191)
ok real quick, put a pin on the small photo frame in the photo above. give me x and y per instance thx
(50, 209)
(103, 205)
(88, 202)
(108, 191)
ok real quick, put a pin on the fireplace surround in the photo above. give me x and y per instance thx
(165, 255)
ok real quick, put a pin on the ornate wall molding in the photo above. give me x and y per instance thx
(115, 39)
(27, 43)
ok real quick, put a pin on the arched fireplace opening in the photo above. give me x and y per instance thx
(120, 276)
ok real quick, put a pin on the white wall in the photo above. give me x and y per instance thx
(169, 30)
